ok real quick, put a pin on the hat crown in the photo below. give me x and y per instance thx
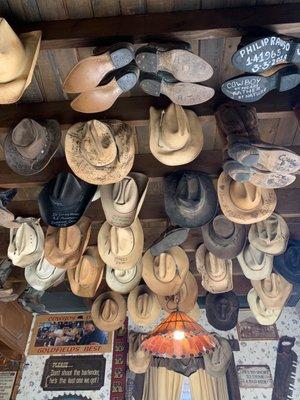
(109, 310)
(66, 188)
(175, 128)
(125, 195)
(144, 304)
(28, 139)
(165, 267)
(25, 240)
(86, 271)
(254, 258)
(121, 241)
(215, 267)
(223, 228)
(188, 191)
(125, 275)
(245, 195)
(271, 285)
(44, 269)
(68, 239)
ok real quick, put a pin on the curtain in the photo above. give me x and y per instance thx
(205, 387)
(162, 384)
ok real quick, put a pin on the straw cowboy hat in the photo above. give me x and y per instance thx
(244, 203)
(7, 218)
(264, 315)
(176, 136)
(190, 198)
(271, 235)
(18, 57)
(224, 238)
(100, 153)
(143, 306)
(222, 310)
(26, 243)
(121, 248)
(255, 264)
(64, 246)
(216, 273)
(123, 280)
(122, 201)
(287, 264)
(166, 273)
(217, 362)
(43, 275)
(138, 359)
(86, 277)
(109, 311)
(274, 291)
(29, 147)
(195, 313)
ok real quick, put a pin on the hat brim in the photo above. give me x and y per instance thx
(43, 284)
(273, 302)
(118, 321)
(136, 317)
(252, 273)
(261, 319)
(120, 287)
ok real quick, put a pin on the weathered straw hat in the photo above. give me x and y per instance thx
(166, 273)
(288, 263)
(138, 359)
(122, 201)
(64, 246)
(7, 218)
(42, 275)
(100, 153)
(18, 57)
(86, 277)
(29, 147)
(217, 362)
(274, 291)
(190, 198)
(26, 243)
(187, 296)
(271, 235)
(143, 306)
(109, 311)
(123, 280)
(176, 136)
(216, 273)
(264, 315)
(255, 264)
(121, 248)
(224, 238)
(222, 310)
(244, 203)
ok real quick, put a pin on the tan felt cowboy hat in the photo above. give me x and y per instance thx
(122, 201)
(64, 246)
(264, 315)
(244, 203)
(123, 280)
(43, 275)
(255, 264)
(271, 235)
(138, 359)
(26, 243)
(100, 153)
(274, 291)
(195, 313)
(216, 273)
(109, 311)
(166, 273)
(86, 277)
(18, 57)
(176, 136)
(143, 306)
(217, 362)
(121, 248)
(185, 299)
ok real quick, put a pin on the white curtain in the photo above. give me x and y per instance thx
(162, 384)
(205, 387)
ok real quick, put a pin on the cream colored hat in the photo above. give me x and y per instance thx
(138, 359)
(271, 235)
(121, 248)
(216, 273)
(143, 306)
(17, 61)
(166, 273)
(123, 280)
(100, 153)
(42, 275)
(217, 362)
(86, 277)
(244, 203)
(122, 201)
(26, 243)
(195, 313)
(274, 291)
(176, 136)
(109, 311)
(255, 264)
(263, 315)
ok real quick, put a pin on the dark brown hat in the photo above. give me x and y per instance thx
(222, 310)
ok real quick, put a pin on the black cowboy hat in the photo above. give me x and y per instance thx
(222, 310)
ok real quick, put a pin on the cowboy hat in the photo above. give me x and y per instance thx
(122, 201)
(7, 218)
(224, 238)
(138, 359)
(26, 243)
(287, 264)
(264, 315)
(100, 153)
(190, 198)
(195, 313)
(222, 310)
(109, 311)
(255, 264)
(121, 248)
(172, 236)
(244, 203)
(18, 56)
(29, 147)
(64, 199)
(42, 275)
(166, 273)
(86, 277)
(123, 280)
(216, 273)
(143, 306)
(217, 362)
(64, 246)
(274, 291)
(271, 235)
(176, 136)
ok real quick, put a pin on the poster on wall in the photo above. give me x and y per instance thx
(249, 329)
(254, 376)
(68, 334)
(7, 380)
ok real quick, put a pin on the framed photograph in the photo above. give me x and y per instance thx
(68, 334)
(249, 329)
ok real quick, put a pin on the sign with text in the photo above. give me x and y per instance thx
(7, 380)
(254, 376)
(249, 329)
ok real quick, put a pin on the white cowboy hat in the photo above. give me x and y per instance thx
(264, 315)
(123, 280)
(43, 275)
(255, 264)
